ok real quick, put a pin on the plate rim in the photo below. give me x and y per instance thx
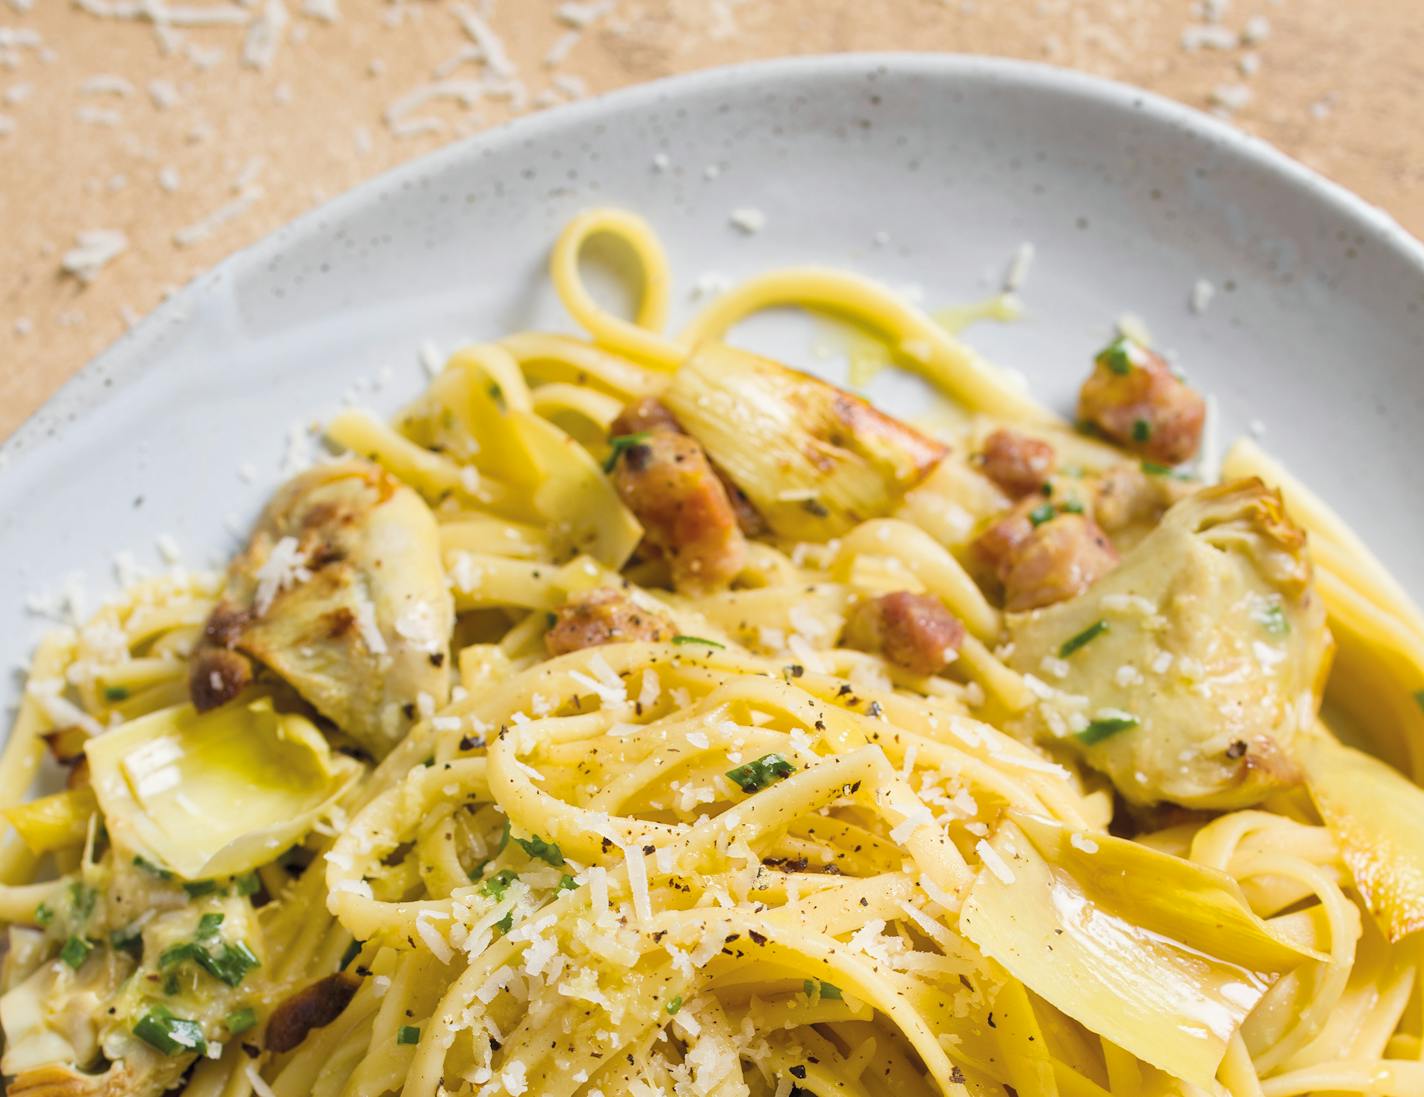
(123, 360)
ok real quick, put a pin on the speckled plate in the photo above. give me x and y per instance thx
(920, 170)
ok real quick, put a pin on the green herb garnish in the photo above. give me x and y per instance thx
(497, 395)
(674, 1005)
(567, 883)
(169, 1034)
(129, 939)
(229, 964)
(114, 694)
(505, 924)
(544, 851)
(196, 889)
(1042, 513)
(152, 869)
(1419, 698)
(498, 884)
(1117, 356)
(1073, 643)
(1100, 729)
(353, 950)
(249, 883)
(1141, 430)
(44, 913)
(698, 640)
(1070, 506)
(1273, 619)
(817, 987)
(766, 770)
(408, 1034)
(81, 901)
(75, 951)
(621, 442)
(240, 1020)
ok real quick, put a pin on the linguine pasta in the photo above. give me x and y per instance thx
(488, 770)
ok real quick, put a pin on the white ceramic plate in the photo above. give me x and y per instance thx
(1317, 329)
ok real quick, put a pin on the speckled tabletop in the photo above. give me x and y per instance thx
(142, 142)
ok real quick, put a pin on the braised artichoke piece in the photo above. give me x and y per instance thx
(342, 593)
(1187, 673)
(813, 459)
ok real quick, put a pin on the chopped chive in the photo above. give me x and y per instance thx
(113, 694)
(544, 851)
(1117, 356)
(699, 640)
(819, 988)
(129, 939)
(1070, 506)
(551, 619)
(1042, 513)
(1152, 468)
(81, 901)
(169, 1034)
(408, 1034)
(208, 924)
(498, 884)
(75, 951)
(567, 883)
(1089, 634)
(152, 869)
(497, 395)
(674, 1005)
(1141, 430)
(1046, 489)
(240, 1020)
(249, 883)
(353, 950)
(229, 964)
(757, 775)
(44, 913)
(1273, 619)
(505, 924)
(1100, 729)
(621, 442)
(196, 889)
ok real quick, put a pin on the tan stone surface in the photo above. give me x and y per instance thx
(1337, 86)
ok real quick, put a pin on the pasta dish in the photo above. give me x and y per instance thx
(636, 716)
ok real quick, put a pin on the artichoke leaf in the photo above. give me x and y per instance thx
(813, 459)
(57, 821)
(1188, 672)
(572, 493)
(217, 793)
(1157, 954)
(1376, 814)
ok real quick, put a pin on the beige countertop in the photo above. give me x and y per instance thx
(193, 140)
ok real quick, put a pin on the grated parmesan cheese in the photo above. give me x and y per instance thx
(750, 220)
(991, 860)
(264, 37)
(106, 84)
(1018, 269)
(200, 230)
(93, 250)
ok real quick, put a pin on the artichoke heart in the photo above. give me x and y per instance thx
(813, 459)
(1188, 673)
(341, 591)
(1158, 954)
(1376, 816)
(218, 793)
